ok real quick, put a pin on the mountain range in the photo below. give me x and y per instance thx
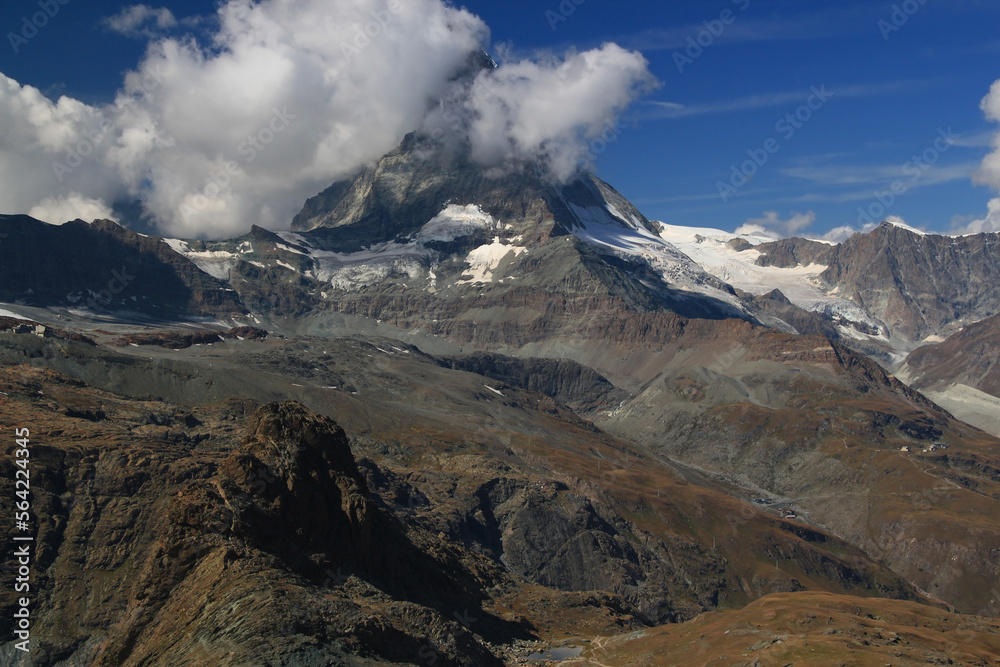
(463, 416)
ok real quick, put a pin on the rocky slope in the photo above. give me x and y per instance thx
(802, 628)
(157, 519)
(916, 285)
(105, 269)
(961, 373)
(970, 357)
(809, 425)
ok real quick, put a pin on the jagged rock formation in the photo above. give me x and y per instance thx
(917, 285)
(271, 553)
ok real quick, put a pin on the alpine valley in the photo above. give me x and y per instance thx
(461, 417)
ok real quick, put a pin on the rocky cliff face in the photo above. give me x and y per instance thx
(413, 184)
(915, 285)
(105, 268)
(789, 253)
(919, 285)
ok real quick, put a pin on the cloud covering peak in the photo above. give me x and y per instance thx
(290, 95)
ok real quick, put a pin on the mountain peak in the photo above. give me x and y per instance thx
(893, 223)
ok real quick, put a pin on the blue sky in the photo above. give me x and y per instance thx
(890, 98)
(890, 90)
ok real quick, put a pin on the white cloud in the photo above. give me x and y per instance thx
(991, 223)
(989, 170)
(908, 174)
(772, 225)
(38, 133)
(141, 21)
(551, 109)
(839, 234)
(59, 210)
(294, 94)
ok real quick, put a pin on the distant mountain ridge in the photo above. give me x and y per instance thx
(426, 221)
(920, 285)
(889, 289)
(104, 268)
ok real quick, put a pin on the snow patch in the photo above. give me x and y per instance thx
(178, 246)
(356, 276)
(899, 222)
(712, 250)
(282, 246)
(454, 222)
(608, 232)
(216, 263)
(485, 259)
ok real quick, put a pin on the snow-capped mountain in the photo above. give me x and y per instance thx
(424, 231)
(737, 260)
(428, 224)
